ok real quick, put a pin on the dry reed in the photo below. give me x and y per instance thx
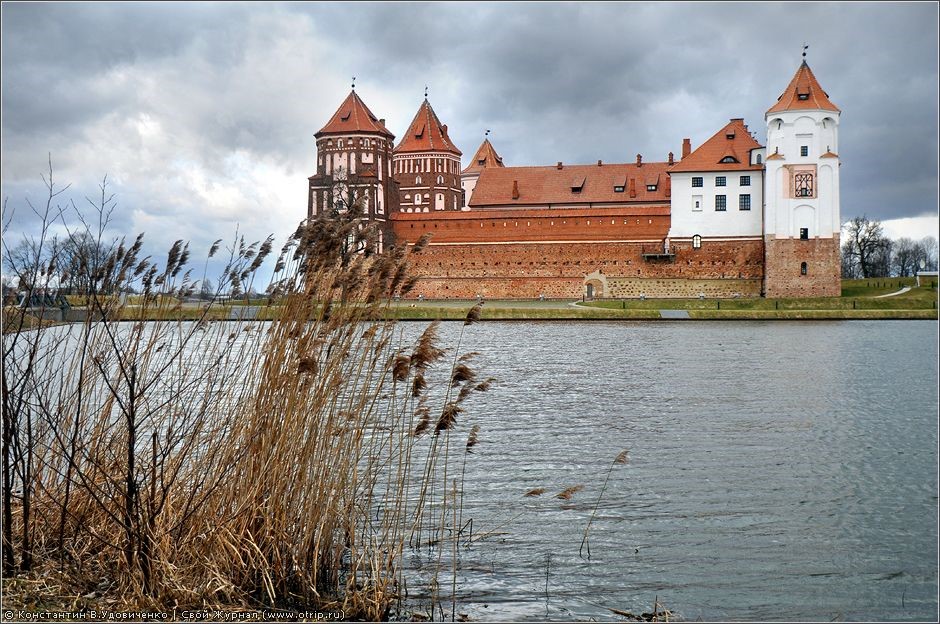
(235, 464)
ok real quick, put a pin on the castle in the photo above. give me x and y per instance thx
(730, 218)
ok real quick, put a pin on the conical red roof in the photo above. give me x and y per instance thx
(354, 116)
(426, 134)
(485, 156)
(803, 93)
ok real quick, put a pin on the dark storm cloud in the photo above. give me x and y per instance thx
(203, 114)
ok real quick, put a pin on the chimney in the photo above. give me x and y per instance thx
(671, 159)
(444, 129)
(559, 164)
(686, 148)
(639, 160)
(382, 121)
(599, 163)
(632, 187)
(515, 189)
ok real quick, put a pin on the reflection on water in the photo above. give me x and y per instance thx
(775, 470)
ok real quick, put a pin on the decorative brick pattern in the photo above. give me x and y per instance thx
(530, 269)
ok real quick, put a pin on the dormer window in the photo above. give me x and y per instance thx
(345, 116)
(650, 187)
(729, 159)
(577, 184)
(729, 136)
(618, 189)
(802, 96)
(481, 161)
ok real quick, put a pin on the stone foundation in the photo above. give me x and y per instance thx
(784, 277)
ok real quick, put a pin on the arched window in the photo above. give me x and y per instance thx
(417, 199)
(759, 159)
(417, 179)
(440, 179)
(696, 242)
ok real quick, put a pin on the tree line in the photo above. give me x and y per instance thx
(868, 252)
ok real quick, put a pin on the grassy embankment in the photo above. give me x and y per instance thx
(861, 299)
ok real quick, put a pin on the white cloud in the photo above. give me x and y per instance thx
(914, 228)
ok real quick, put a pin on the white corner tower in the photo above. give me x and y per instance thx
(802, 220)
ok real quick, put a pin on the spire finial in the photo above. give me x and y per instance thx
(805, 47)
(354, 83)
(425, 91)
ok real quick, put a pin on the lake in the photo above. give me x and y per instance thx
(775, 471)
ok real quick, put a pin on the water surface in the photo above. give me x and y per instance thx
(776, 471)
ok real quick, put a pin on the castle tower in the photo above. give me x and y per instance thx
(355, 147)
(485, 156)
(427, 165)
(801, 219)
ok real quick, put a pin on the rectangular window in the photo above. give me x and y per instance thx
(804, 233)
(744, 202)
(721, 181)
(697, 182)
(803, 184)
(696, 202)
(618, 189)
(721, 203)
(745, 180)
(804, 150)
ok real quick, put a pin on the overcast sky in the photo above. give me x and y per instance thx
(202, 115)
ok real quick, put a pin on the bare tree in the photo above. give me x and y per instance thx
(867, 245)
(906, 255)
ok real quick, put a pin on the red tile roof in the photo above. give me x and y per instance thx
(426, 134)
(485, 156)
(803, 93)
(710, 154)
(551, 185)
(354, 116)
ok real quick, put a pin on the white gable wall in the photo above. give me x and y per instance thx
(686, 221)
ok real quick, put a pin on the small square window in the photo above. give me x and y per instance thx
(745, 180)
(744, 202)
(804, 233)
(721, 181)
(804, 150)
(721, 203)
(697, 182)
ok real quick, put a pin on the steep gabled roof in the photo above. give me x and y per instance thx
(354, 116)
(426, 134)
(485, 156)
(572, 184)
(728, 150)
(803, 93)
